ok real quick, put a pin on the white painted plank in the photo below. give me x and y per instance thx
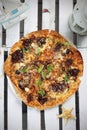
(51, 119)
(33, 119)
(82, 41)
(12, 35)
(48, 22)
(83, 93)
(65, 10)
(14, 111)
(30, 23)
(14, 105)
(48, 18)
(1, 90)
(0, 35)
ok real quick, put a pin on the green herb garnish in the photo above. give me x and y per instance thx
(39, 83)
(23, 50)
(24, 69)
(40, 68)
(66, 78)
(67, 43)
(41, 92)
(28, 50)
(49, 68)
(38, 51)
(43, 74)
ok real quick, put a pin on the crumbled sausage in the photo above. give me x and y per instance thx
(16, 56)
(26, 43)
(73, 72)
(29, 98)
(41, 41)
(58, 46)
(42, 99)
(68, 62)
(58, 87)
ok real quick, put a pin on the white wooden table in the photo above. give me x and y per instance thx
(14, 115)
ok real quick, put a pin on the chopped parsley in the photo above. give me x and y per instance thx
(66, 78)
(38, 51)
(49, 68)
(43, 74)
(28, 49)
(67, 43)
(23, 50)
(40, 68)
(39, 83)
(41, 92)
(25, 69)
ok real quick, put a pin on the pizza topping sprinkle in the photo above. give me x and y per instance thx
(68, 51)
(16, 56)
(26, 43)
(41, 41)
(66, 78)
(17, 72)
(58, 87)
(42, 99)
(58, 46)
(39, 82)
(68, 62)
(73, 72)
(29, 97)
(42, 92)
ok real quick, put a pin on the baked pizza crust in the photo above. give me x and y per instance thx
(61, 97)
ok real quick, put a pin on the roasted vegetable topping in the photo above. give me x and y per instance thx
(42, 92)
(26, 43)
(29, 97)
(68, 62)
(16, 56)
(58, 87)
(73, 72)
(42, 99)
(49, 68)
(57, 47)
(41, 41)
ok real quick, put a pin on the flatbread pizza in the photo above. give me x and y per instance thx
(45, 69)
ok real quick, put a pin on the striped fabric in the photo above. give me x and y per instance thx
(14, 114)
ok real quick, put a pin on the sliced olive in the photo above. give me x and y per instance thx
(17, 72)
